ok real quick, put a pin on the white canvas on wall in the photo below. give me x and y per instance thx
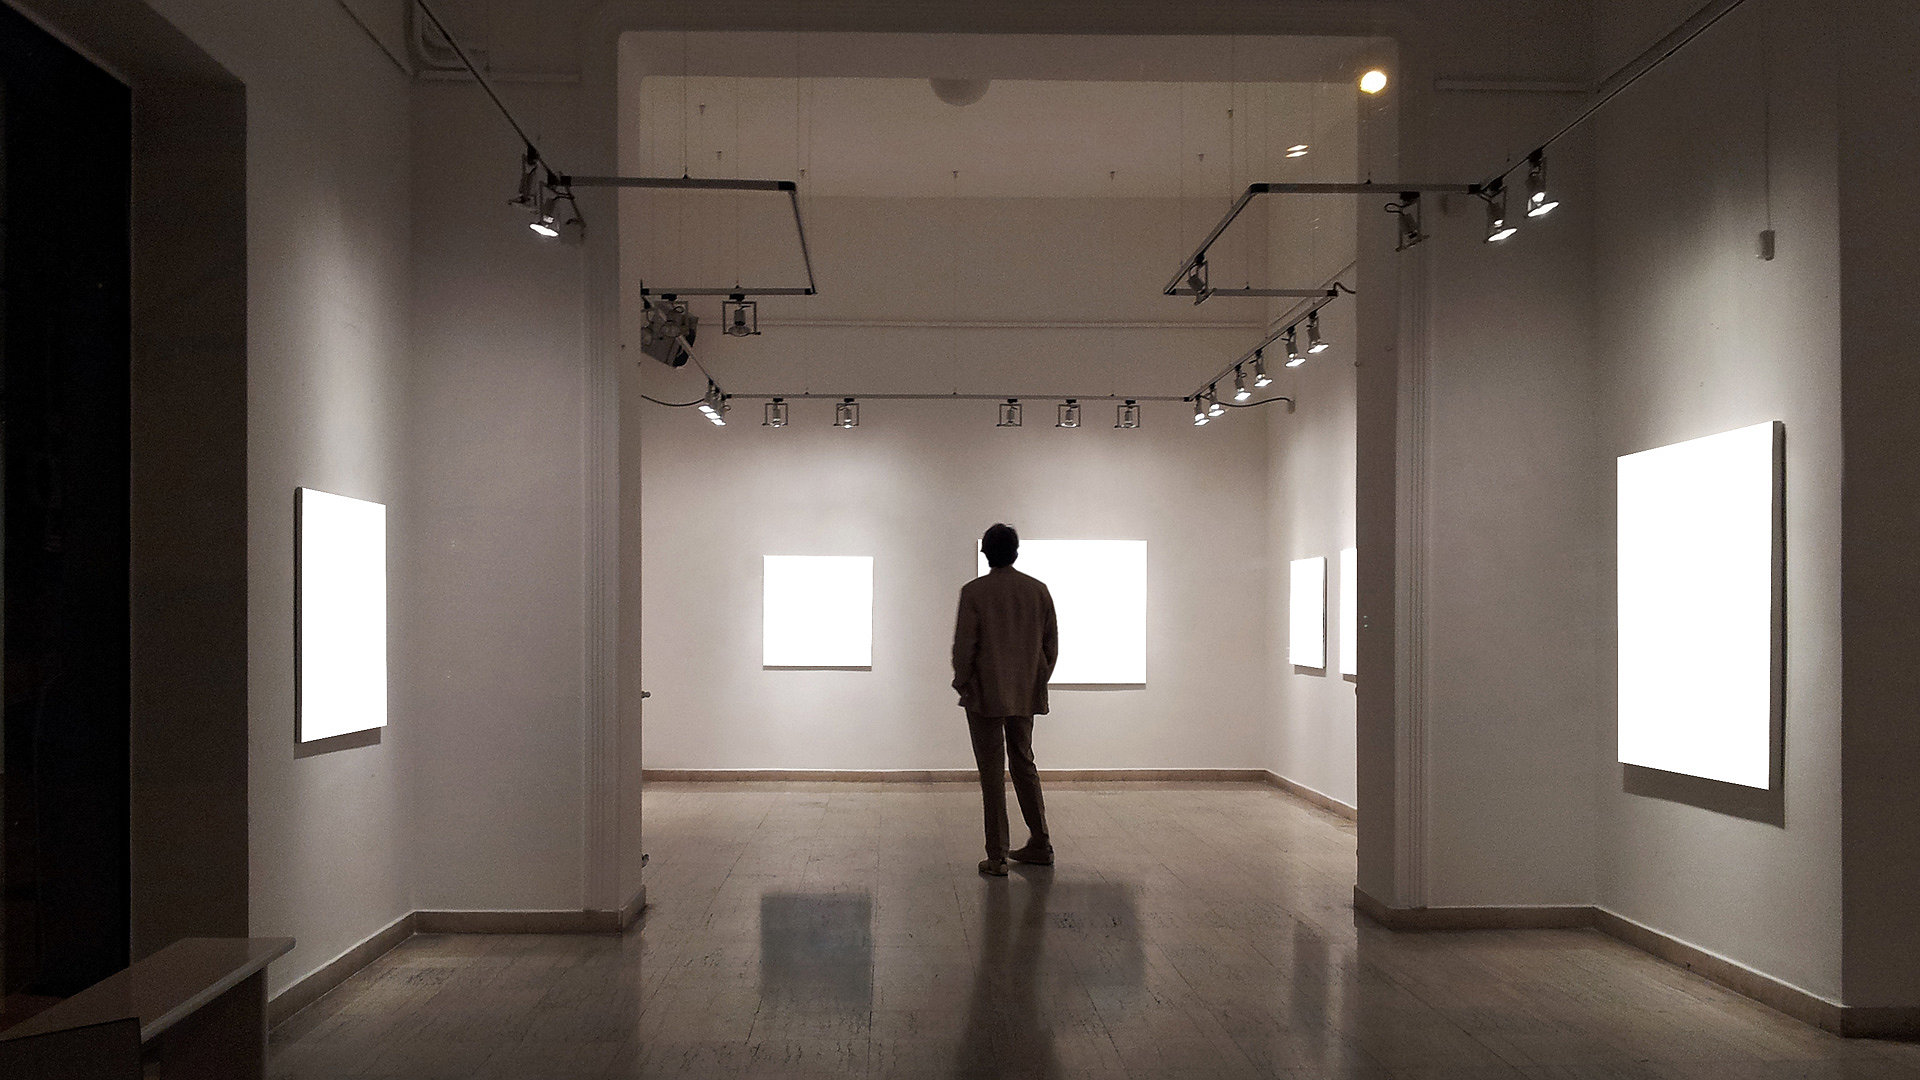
(1099, 590)
(1700, 544)
(1307, 613)
(1349, 611)
(342, 598)
(817, 611)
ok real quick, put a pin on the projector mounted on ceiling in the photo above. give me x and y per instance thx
(668, 333)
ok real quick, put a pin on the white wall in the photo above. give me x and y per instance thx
(1700, 336)
(914, 485)
(328, 326)
(1309, 512)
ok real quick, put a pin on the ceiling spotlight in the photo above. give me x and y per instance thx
(846, 414)
(1214, 408)
(1314, 342)
(1200, 416)
(1294, 357)
(1009, 413)
(543, 218)
(741, 316)
(715, 406)
(1297, 150)
(1197, 280)
(1539, 203)
(1261, 380)
(1407, 210)
(1067, 414)
(1498, 228)
(776, 413)
(1240, 391)
(1373, 81)
(668, 332)
(1127, 414)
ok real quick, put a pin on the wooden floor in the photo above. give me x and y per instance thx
(1187, 931)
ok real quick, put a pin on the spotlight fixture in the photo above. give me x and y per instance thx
(543, 218)
(1127, 414)
(1373, 81)
(1214, 408)
(1297, 150)
(776, 413)
(1314, 342)
(1197, 281)
(741, 315)
(1294, 358)
(668, 332)
(1407, 210)
(1200, 416)
(1539, 203)
(1240, 391)
(1067, 414)
(1009, 413)
(1498, 228)
(715, 406)
(529, 196)
(1261, 380)
(846, 414)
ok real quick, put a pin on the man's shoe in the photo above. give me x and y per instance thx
(992, 868)
(1032, 856)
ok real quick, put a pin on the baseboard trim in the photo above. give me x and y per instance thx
(1851, 1021)
(946, 776)
(1305, 794)
(315, 986)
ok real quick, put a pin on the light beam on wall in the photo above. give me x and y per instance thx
(817, 611)
(1307, 613)
(1099, 592)
(342, 600)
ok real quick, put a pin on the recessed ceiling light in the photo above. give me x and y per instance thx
(1297, 150)
(1373, 81)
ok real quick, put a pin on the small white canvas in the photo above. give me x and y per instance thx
(343, 615)
(1099, 592)
(1349, 611)
(1699, 542)
(817, 611)
(1307, 613)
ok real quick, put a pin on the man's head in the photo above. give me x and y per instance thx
(1001, 545)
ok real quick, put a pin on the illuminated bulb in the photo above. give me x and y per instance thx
(1498, 228)
(1214, 408)
(1294, 359)
(543, 222)
(1539, 203)
(1261, 379)
(1200, 412)
(1314, 343)
(1373, 81)
(1297, 150)
(1240, 391)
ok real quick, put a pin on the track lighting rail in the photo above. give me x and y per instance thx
(702, 183)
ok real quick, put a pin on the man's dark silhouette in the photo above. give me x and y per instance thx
(1005, 642)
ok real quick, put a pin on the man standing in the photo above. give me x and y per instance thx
(1005, 642)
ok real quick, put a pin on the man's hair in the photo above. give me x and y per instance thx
(1001, 545)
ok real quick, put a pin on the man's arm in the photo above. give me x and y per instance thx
(1049, 639)
(966, 642)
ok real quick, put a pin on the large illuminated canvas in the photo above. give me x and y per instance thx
(1099, 592)
(1307, 613)
(1700, 605)
(817, 611)
(342, 646)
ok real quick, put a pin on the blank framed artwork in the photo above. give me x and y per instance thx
(1350, 611)
(817, 611)
(1701, 605)
(1307, 613)
(1099, 592)
(342, 601)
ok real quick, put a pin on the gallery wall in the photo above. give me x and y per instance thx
(1703, 336)
(1308, 729)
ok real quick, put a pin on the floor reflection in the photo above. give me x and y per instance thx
(816, 950)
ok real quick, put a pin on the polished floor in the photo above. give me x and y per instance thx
(1187, 931)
